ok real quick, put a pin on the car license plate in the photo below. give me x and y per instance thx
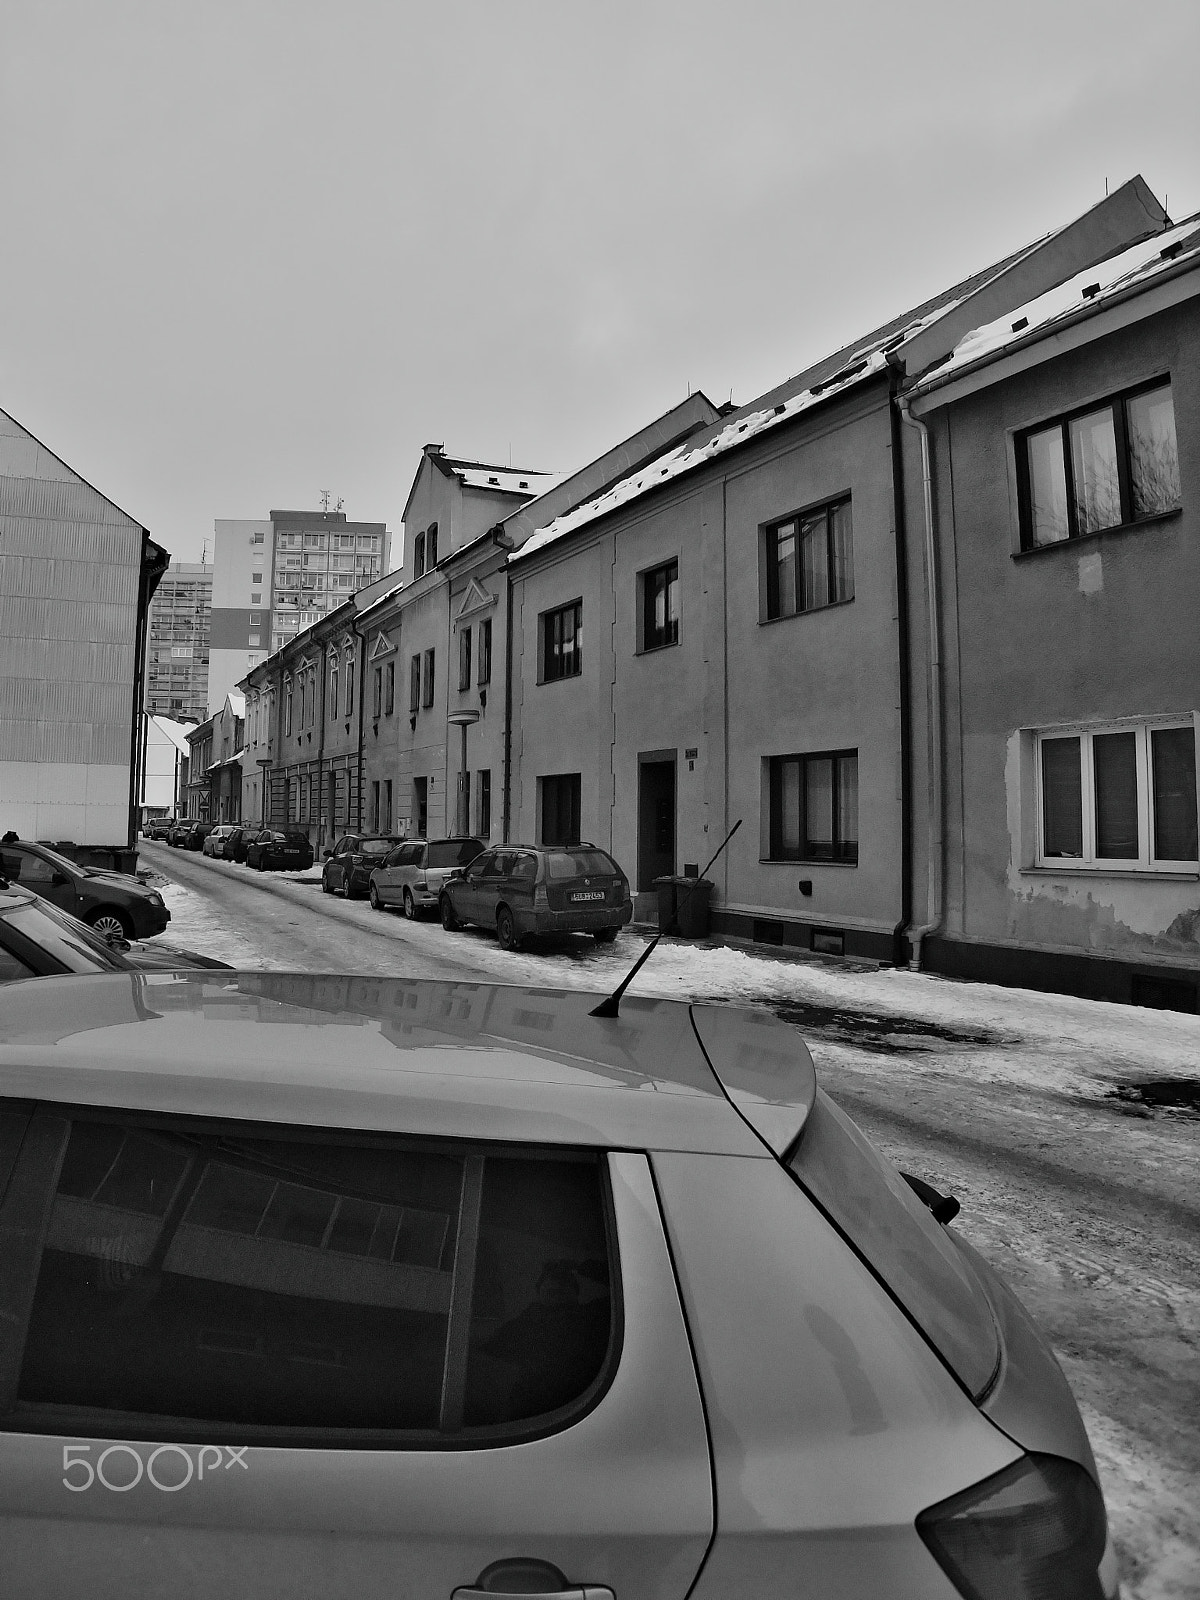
(587, 894)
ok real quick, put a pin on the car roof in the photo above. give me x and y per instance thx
(462, 1060)
(12, 896)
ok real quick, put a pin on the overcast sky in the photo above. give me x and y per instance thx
(252, 251)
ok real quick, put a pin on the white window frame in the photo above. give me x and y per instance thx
(1089, 861)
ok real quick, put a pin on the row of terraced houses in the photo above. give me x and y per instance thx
(922, 619)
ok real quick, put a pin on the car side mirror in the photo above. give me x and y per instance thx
(60, 880)
(328, 852)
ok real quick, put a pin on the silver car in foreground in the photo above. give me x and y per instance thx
(334, 1286)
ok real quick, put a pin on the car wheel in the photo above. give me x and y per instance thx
(410, 906)
(262, 863)
(373, 897)
(506, 929)
(604, 935)
(344, 891)
(110, 923)
(449, 920)
(326, 886)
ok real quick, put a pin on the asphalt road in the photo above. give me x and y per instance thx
(1091, 1208)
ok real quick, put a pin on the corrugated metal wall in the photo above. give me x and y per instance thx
(70, 562)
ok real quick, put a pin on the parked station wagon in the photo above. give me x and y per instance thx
(336, 1285)
(412, 874)
(525, 889)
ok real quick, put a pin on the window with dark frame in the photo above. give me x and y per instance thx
(389, 688)
(427, 679)
(660, 606)
(464, 658)
(309, 1279)
(418, 555)
(377, 693)
(414, 686)
(484, 676)
(483, 819)
(1121, 796)
(431, 547)
(560, 808)
(349, 686)
(814, 807)
(1104, 466)
(333, 693)
(562, 642)
(809, 560)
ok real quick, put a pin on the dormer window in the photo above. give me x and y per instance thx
(418, 555)
(431, 550)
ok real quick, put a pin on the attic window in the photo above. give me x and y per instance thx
(524, 483)
(1021, 322)
(1092, 290)
(779, 410)
(1169, 252)
(493, 480)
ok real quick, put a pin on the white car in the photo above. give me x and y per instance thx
(320, 1286)
(414, 873)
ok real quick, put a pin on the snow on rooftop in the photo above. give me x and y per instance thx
(687, 456)
(504, 480)
(237, 703)
(1138, 265)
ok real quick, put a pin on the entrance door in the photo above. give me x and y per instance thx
(421, 806)
(656, 821)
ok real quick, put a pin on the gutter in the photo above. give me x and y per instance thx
(935, 836)
(904, 658)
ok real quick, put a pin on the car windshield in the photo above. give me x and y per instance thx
(66, 939)
(581, 864)
(915, 1256)
(453, 852)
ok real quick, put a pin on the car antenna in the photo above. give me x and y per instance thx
(611, 1007)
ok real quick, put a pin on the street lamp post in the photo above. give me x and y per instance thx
(462, 720)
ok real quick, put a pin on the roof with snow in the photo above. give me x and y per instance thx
(237, 703)
(853, 364)
(502, 480)
(1129, 271)
(176, 732)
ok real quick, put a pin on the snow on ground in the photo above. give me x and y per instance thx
(196, 925)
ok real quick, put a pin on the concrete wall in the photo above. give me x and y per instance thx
(737, 689)
(236, 558)
(70, 567)
(1087, 631)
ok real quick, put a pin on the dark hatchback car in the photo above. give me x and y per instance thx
(526, 889)
(348, 866)
(274, 849)
(111, 902)
(238, 843)
(37, 940)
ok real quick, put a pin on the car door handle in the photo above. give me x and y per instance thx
(520, 1578)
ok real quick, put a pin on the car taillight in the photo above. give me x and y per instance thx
(1035, 1531)
(541, 899)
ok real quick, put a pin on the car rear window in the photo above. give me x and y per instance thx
(580, 864)
(453, 852)
(376, 847)
(896, 1234)
(292, 836)
(307, 1286)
